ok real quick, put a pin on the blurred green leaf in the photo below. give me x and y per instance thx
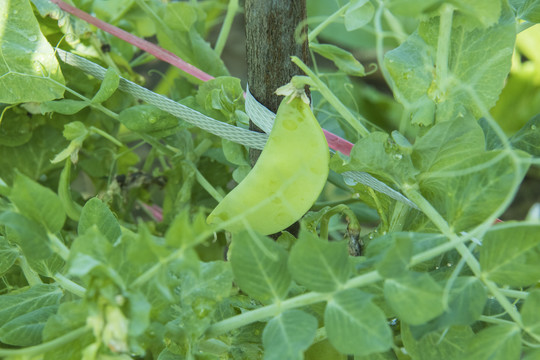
(350, 313)
(23, 315)
(448, 344)
(28, 234)
(8, 255)
(25, 78)
(530, 314)
(343, 59)
(415, 297)
(510, 254)
(319, 265)
(397, 258)
(260, 267)
(38, 203)
(358, 14)
(96, 213)
(288, 335)
(499, 342)
(149, 120)
(529, 11)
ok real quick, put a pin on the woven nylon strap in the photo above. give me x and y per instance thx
(258, 113)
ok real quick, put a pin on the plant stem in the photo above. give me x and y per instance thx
(47, 346)
(443, 47)
(59, 247)
(69, 285)
(232, 8)
(332, 99)
(106, 136)
(313, 34)
(31, 276)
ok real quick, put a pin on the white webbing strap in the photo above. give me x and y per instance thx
(259, 114)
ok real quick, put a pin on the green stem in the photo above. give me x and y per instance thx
(31, 276)
(59, 247)
(443, 47)
(47, 346)
(69, 285)
(472, 262)
(106, 136)
(232, 8)
(329, 96)
(206, 185)
(493, 320)
(329, 20)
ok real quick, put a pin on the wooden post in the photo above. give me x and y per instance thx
(271, 34)
(271, 39)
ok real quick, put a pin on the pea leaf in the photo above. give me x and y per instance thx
(415, 297)
(28, 234)
(466, 300)
(500, 342)
(470, 84)
(319, 265)
(530, 314)
(287, 335)
(358, 14)
(529, 11)
(23, 315)
(528, 137)
(38, 203)
(8, 255)
(344, 60)
(260, 267)
(443, 344)
(149, 120)
(413, 7)
(25, 78)
(515, 262)
(64, 106)
(96, 213)
(351, 312)
(108, 86)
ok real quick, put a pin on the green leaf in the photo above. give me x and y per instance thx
(70, 316)
(29, 235)
(38, 203)
(319, 265)
(344, 60)
(22, 315)
(471, 83)
(445, 344)
(483, 12)
(530, 11)
(108, 86)
(415, 297)
(32, 158)
(25, 330)
(532, 355)
(25, 78)
(528, 137)
(8, 255)
(180, 16)
(413, 7)
(260, 267)
(397, 258)
(17, 125)
(530, 314)
(510, 254)
(288, 335)
(350, 313)
(96, 213)
(64, 106)
(149, 120)
(446, 144)
(466, 300)
(358, 14)
(500, 342)
(379, 156)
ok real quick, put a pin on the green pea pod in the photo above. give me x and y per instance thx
(287, 178)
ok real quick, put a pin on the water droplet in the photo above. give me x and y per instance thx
(349, 181)
(15, 12)
(398, 156)
(152, 119)
(33, 38)
(533, 127)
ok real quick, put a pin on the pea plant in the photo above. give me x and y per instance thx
(412, 250)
